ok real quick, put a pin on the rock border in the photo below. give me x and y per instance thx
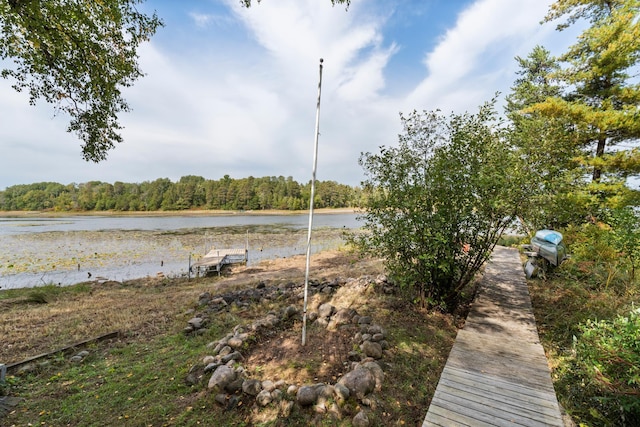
(230, 380)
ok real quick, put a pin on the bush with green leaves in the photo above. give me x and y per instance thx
(626, 236)
(607, 354)
(439, 201)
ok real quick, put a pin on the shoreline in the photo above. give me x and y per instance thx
(195, 212)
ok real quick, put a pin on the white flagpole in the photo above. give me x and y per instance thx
(313, 191)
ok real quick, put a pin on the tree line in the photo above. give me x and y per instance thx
(190, 192)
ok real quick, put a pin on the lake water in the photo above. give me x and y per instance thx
(64, 250)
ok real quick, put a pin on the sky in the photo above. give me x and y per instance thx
(233, 91)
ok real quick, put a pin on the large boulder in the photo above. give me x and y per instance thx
(222, 376)
(360, 382)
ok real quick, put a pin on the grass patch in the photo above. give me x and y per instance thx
(575, 319)
(139, 379)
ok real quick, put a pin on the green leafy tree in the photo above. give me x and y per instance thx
(545, 147)
(602, 94)
(438, 202)
(76, 55)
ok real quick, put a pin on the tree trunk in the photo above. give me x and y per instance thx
(597, 171)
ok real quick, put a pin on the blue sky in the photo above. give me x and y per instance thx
(233, 91)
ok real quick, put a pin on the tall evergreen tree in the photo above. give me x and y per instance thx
(602, 98)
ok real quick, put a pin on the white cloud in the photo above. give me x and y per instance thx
(486, 37)
(247, 106)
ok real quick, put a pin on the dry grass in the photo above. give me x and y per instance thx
(121, 383)
(138, 308)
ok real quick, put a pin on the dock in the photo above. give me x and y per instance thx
(215, 259)
(497, 373)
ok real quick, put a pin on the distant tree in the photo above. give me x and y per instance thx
(76, 55)
(438, 202)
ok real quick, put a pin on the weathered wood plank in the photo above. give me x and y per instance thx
(497, 373)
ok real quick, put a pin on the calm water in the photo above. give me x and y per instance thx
(35, 251)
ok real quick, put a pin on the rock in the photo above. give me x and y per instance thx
(235, 343)
(343, 316)
(233, 402)
(321, 322)
(268, 385)
(221, 399)
(364, 320)
(222, 376)
(292, 389)
(208, 359)
(307, 395)
(377, 337)
(371, 349)
(225, 350)
(235, 385)
(326, 310)
(326, 391)
(83, 354)
(195, 375)
(263, 398)
(211, 366)
(75, 359)
(290, 311)
(204, 298)
(377, 372)
(375, 329)
(233, 356)
(360, 382)
(252, 387)
(341, 392)
(196, 322)
(366, 337)
(276, 395)
(360, 420)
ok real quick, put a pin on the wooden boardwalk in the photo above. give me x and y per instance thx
(497, 373)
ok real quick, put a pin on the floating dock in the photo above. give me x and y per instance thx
(215, 259)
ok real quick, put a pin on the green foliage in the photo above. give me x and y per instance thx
(605, 254)
(190, 192)
(594, 261)
(599, 102)
(604, 373)
(545, 148)
(76, 55)
(626, 236)
(437, 204)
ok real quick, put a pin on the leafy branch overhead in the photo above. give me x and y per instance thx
(77, 55)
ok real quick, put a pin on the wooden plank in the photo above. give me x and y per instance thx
(497, 373)
(11, 366)
(470, 380)
(512, 403)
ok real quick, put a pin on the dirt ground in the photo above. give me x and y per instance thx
(35, 321)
